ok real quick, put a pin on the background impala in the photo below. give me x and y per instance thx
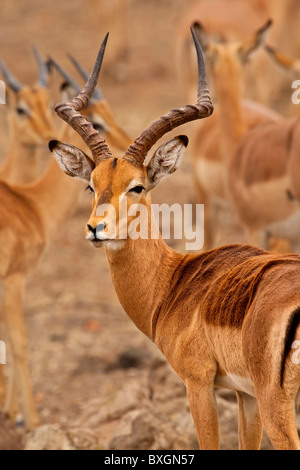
(84, 355)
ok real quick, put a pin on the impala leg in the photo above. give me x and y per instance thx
(202, 198)
(2, 378)
(250, 425)
(279, 420)
(13, 288)
(3, 390)
(203, 407)
(11, 401)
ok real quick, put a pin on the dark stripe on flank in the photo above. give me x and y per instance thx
(114, 163)
(290, 333)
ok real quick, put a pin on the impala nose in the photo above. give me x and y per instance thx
(101, 227)
(94, 230)
(91, 229)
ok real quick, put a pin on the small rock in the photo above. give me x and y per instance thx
(48, 437)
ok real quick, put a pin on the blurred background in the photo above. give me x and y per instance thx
(98, 382)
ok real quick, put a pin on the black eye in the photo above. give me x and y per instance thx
(98, 127)
(21, 111)
(137, 189)
(89, 188)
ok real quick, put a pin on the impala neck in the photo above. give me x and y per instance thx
(141, 272)
(55, 196)
(229, 90)
(283, 12)
(22, 163)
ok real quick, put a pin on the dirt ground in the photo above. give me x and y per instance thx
(82, 347)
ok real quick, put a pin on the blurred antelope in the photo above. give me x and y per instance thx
(224, 318)
(292, 126)
(31, 125)
(235, 20)
(217, 139)
(231, 20)
(263, 182)
(284, 34)
(30, 218)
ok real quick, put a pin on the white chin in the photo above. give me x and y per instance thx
(108, 244)
(114, 245)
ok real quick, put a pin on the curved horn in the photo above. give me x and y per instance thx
(97, 95)
(137, 152)
(11, 81)
(69, 112)
(43, 69)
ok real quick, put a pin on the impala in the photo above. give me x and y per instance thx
(30, 124)
(217, 138)
(262, 178)
(224, 318)
(223, 19)
(234, 20)
(30, 218)
(284, 34)
(293, 144)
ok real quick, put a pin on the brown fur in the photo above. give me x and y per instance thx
(224, 313)
(235, 20)
(30, 218)
(27, 134)
(259, 168)
(221, 318)
(219, 138)
(255, 161)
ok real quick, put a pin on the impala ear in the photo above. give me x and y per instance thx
(285, 61)
(166, 159)
(73, 161)
(254, 43)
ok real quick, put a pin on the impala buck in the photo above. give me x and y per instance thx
(31, 217)
(217, 138)
(31, 125)
(224, 318)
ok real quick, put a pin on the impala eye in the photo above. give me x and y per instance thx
(90, 189)
(98, 127)
(136, 189)
(21, 111)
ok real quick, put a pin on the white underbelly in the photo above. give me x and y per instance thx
(234, 382)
